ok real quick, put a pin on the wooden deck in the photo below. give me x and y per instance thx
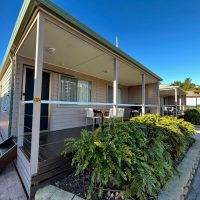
(51, 143)
(52, 165)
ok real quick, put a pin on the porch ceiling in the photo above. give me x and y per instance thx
(76, 54)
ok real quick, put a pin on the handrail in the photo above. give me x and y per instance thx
(146, 105)
(171, 105)
(86, 103)
(69, 103)
(27, 102)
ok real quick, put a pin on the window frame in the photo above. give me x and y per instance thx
(77, 79)
(122, 94)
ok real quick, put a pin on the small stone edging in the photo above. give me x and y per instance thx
(178, 187)
(51, 192)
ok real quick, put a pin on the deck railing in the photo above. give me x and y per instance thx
(24, 137)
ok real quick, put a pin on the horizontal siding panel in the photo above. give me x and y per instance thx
(5, 102)
(61, 116)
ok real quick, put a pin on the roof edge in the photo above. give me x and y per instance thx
(26, 10)
(63, 15)
(16, 28)
(163, 87)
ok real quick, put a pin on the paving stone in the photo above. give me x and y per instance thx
(62, 195)
(46, 193)
(176, 188)
(194, 191)
(51, 192)
(77, 198)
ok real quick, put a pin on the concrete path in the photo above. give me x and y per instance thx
(10, 185)
(194, 193)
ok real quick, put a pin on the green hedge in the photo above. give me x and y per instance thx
(192, 115)
(136, 157)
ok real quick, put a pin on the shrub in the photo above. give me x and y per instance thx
(133, 156)
(193, 116)
(176, 131)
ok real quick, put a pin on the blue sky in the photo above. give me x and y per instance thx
(162, 35)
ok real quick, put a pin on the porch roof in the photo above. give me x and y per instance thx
(168, 90)
(192, 94)
(27, 10)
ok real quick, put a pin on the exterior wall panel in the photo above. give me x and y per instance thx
(5, 102)
(17, 94)
(151, 95)
(63, 116)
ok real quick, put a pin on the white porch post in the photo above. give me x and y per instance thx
(20, 126)
(180, 102)
(37, 93)
(158, 107)
(143, 94)
(184, 102)
(175, 90)
(115, 87)
(196, 103)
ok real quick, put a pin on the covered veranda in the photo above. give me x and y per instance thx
(172, 100)
(52, 46)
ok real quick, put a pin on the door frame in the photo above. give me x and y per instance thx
(25, 66)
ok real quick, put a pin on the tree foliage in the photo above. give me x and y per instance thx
(187, 85)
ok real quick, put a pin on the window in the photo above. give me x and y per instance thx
(84, 91)
(110, 95)
(75, 90)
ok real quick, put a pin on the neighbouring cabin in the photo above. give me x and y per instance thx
(61, 68)
(172, 100)
(192, 99)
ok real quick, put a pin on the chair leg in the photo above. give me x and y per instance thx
(93, 124)
(100, 122)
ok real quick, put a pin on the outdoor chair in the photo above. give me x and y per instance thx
(110, 115)
(90, 116)
(120, 114)
(172, 111)
(135, 111)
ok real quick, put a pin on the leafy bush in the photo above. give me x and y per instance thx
(176, 131)
(192, 115)
(134, 156)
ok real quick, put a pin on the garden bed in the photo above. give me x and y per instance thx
(79, 184)
(131, 160)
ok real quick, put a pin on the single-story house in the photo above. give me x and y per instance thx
(172, 99)
(192, 99)
(55, 67)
